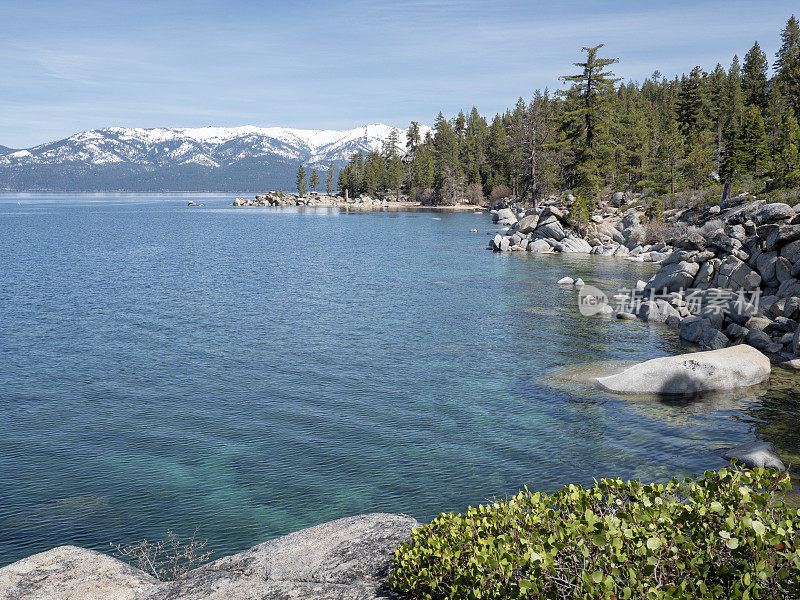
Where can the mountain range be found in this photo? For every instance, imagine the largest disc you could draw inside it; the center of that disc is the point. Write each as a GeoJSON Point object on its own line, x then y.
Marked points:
{"type": "Point", "coordinates": [235, 159]}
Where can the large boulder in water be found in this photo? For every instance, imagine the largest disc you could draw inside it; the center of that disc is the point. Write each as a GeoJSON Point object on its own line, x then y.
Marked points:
{"type": "Point", "coordinates": [72, 573]}
{"type": "Point", "coordinates": [758, 454]}
{"type": "Point", "coordinates": [689, 374]}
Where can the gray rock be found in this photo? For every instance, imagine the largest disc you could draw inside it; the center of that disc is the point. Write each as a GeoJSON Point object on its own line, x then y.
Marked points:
{"type": "Point", "coordinates": [565, 281]}
{"type": "Point", "coordinates": [791, 251]}
{"type": "Point", "coordinates": [740, 311]}
{"type": "Point", "coordinates": [656, 311]}
{"type": "Point", "coordinates": [72, 573]}
{"type": "Point", "coordinates": [737, 232]}
{"type": "Point", "coordinates": [626, 316]}
{"type": "Point", "coordinates": [783, 270]}
{"type": "Point", "coordinates": [795, 347]}
{"type": "Point", "coordinates": [783, 235]}
{"type": "Point", "coordinates": [688, 374]}
{"type": "Point", "coordinates": [735, 331]}
{"type": "Point", "coordinates": [700, 331]}
{"type": "Point", "coordinates": [791, 307]}
{"type": "Point", "coordinates": [769, 213]}
{"type": "Point", "coordinates": [504, 216]}
{"type": "Point", "coordinates": [765, 263]}
{"type": "Point", "coordinates": [735, 274]}
{"type": "Point", "coordinates": [674, 276]}
{"type": "Point", "coordinates": [790, 287]}
{"type": "Point", "coordinates": [756, 455]}
{"type": "Point", "coordinates": [539, 246]}
{"type": "Point", "coordinates": [572, 244]}
{"type": "Point", "coordinates": [611, 232]}
{"type": "Point", "coordinates": [550, 230]}
{"type": "Point", "coordinates": [340, 560]}
{"type": "Point", "coordinates": [704, 276]}
{"type": "Point", "coordinates": [694, 241]}
{"type": "Point", "coordinates": [617, 199]}
{"type": "Point", "coordinates": [677, 256]}
{"type": "Point", "coordinates": [758, 339]}
{"type": "Point", "coordinates": [529, 223]}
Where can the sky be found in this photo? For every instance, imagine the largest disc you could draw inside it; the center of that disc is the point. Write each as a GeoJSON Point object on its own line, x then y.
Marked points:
{"type": "Point", "coordinates": [71, 65]}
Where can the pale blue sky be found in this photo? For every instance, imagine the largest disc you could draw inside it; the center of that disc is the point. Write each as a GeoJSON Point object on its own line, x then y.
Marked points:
{"type": "Point", "coordinates": [72, 64]}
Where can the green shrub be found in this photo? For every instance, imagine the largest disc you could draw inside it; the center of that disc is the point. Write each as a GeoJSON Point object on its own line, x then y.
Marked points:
{"type": "Point", "coordinates": [726, 535]}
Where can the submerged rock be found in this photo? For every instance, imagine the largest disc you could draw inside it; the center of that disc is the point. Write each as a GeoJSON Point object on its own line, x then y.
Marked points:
{"type": "Point", "coordinates": [758, 454]}
{"type": "Point", "coordinates": [72, 573]}
{"type": "Point", "coordinates": [688, 374]}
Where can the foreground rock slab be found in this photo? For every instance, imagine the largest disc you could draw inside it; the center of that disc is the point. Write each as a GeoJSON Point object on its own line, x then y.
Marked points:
{"type": "Point", "coordinates": [758, 454]}
{"type": "Point", "coordinates": [688, 374]}
{"type": "Point", "coordinates": [72, 573]}
{"type": "Point", "coordinates": [347, 559]}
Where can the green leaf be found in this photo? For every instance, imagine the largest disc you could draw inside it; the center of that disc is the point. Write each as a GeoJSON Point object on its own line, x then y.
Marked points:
{"type": "Point", "coordinates": [653, 543]}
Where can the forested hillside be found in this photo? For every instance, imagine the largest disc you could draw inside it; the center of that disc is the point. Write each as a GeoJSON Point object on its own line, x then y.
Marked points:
{"type": "Point", "coordinates": [598, 134]}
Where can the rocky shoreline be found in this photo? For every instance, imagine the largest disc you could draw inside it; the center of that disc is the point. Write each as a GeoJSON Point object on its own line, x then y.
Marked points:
{"type": "Point", "coordinates": [346, 559]}
{"type": "Point", "coordinates": [730, 276]}
{"type": "Point", "coordinates": [363, 202]}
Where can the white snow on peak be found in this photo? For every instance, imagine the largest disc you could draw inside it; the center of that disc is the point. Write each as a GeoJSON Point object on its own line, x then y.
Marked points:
{"type": "Point", "coordinates": [208, 146]}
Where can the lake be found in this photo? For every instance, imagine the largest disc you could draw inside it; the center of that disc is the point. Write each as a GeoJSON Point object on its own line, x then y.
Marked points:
{"type": "Point", "coordinates": [247, 372]}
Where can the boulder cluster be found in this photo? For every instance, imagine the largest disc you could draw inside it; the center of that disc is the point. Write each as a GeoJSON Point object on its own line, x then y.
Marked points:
{"type": "Point", "coordinates": [735, 279]}
{"type": "Point", "coordinates": [312, 199]}
{"type": "Point", "coordinates": [547, 228]}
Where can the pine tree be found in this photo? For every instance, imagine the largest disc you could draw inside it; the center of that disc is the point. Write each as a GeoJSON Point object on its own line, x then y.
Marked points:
{"type": "Point", "coordinates": [790, 40]}
{"type": "Point", "coordinates": [301, 181]}
{"type": "Point", "coordinates": [754, 159]}
{"type": "Point", "coordinates": [787, 156]}
{"type": "Point", "coordinates": [788, 80]}
{"type": "Point", "coordinates": [313, 180]}
{"type": "Point", "coordinates": [589, 98]}
{"type": "Point", "coordinates": [423, 168]}
{"type": "Point", "coordinates": [329, 180]}
{"type": "Point", "coordinates": [754, 77]}
{"type": "Point", "coordinates": [412, 138]}
{"type": "Point", "coordinates": [692, 102]}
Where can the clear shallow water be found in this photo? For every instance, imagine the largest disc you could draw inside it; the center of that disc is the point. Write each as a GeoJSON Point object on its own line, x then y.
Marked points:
{"type": "Point", "coordinates": [249, 372]}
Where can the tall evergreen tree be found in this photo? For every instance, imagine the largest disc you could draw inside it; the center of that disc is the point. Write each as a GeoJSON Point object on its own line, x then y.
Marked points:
{"type": "Point", "coordinates": [589, 97]}
{"type": "Point", "coordinates": [313, 180]}
{"type": "Point", "coordinates": [790, 40]}
{"type": "Point", "coordinates": [301, 180]}
{"type": "Point", "coordinates": [412, 138]}
{"type": "Point", "coordinates": [692, 103]}
{"type": "Point", "coordinates": [754, 77]}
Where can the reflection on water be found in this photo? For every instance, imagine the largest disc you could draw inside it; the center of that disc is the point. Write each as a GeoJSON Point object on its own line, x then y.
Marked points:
{"type": "Point", "coordinates": [252, 372]}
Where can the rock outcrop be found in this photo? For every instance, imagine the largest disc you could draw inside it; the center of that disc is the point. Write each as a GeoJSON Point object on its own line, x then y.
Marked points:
{"type": "Point", "coordinates": [347, 559]}
{"type": "Point", "coordinates": [690, 374]}
{"type": "Point", "coordinates": [548, 229]}
{"type": "Point", "coordinates": [72, 573]}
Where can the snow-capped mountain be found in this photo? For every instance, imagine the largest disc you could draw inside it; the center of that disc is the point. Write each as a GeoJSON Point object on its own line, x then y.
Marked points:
{"type": "Point", "coordinates": [196, 159]}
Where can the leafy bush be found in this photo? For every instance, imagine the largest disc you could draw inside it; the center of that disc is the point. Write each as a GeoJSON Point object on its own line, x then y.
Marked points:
{"type": "Point", "coordinates": [725, 535]}
{"type": "Point", "coordinates": [655, 210]}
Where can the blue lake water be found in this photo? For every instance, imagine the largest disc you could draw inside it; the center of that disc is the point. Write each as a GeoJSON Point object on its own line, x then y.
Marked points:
{"type": "Point", "coordinates": [249, 372]}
